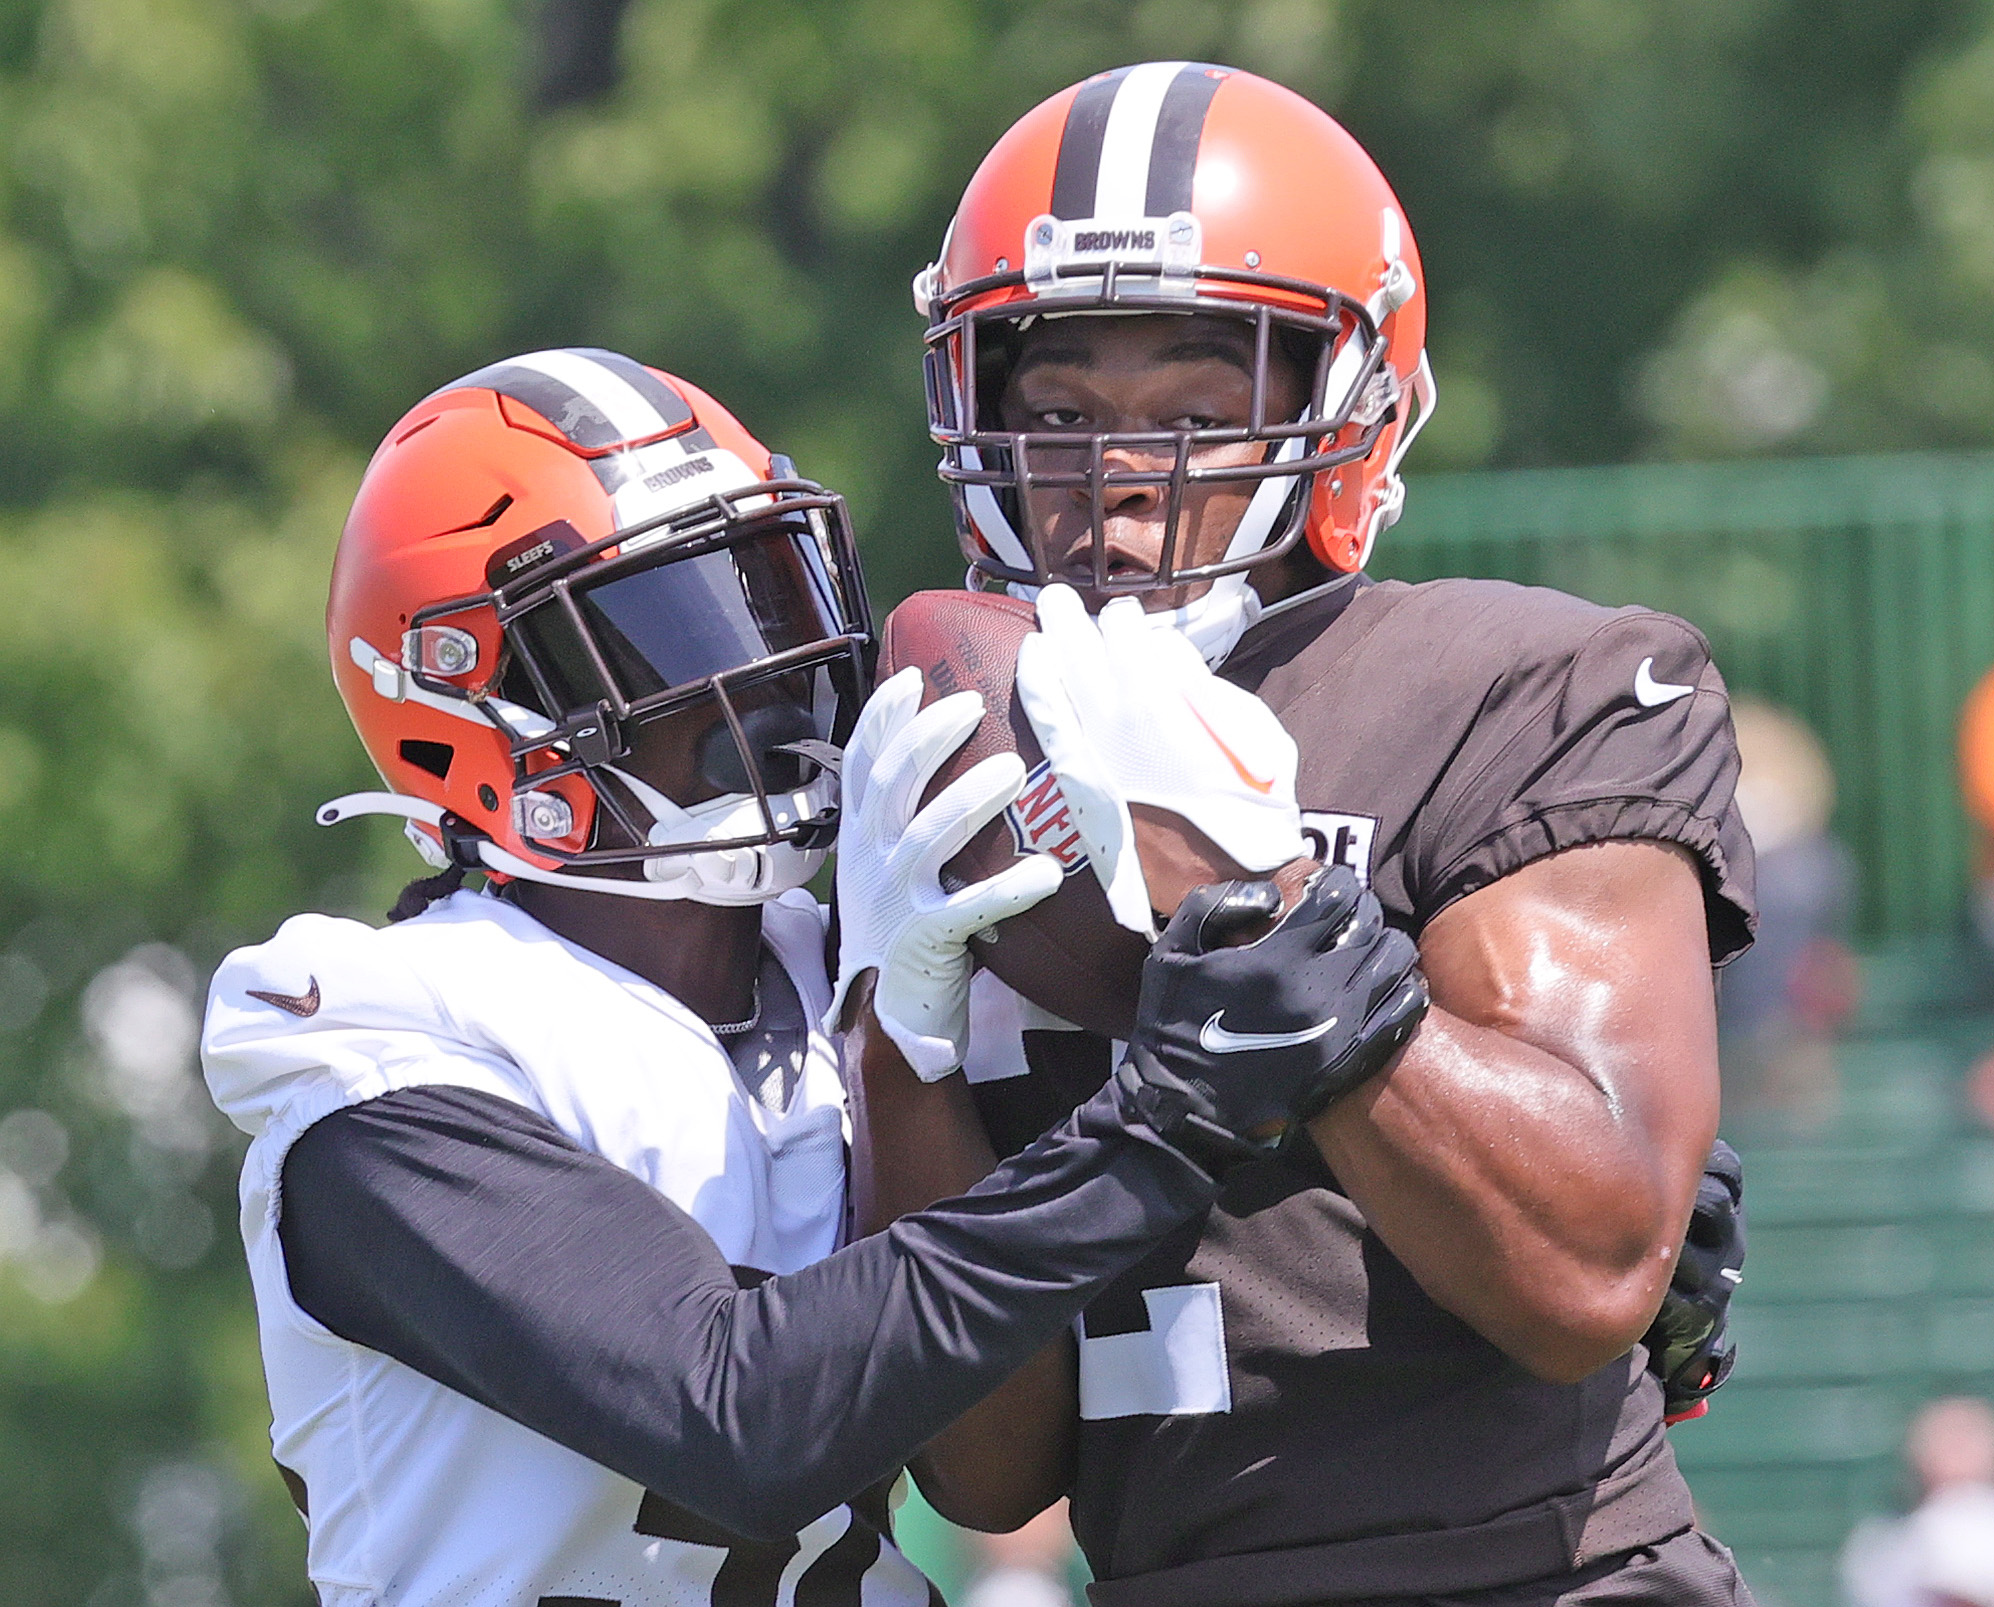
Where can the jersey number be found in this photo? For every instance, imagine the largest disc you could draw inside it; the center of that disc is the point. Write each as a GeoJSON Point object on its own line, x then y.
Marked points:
{"type": "Point", "coordinates": [1176, 1367]}
{"type": "Point", "coordinates": [751, 1573]}
{"type": "Point", "coordinates": [828, 1560]}
{"type": "Point", "coordinates": [1340, 840]}
{"type": "Point", "coordinates": [753, 1570]}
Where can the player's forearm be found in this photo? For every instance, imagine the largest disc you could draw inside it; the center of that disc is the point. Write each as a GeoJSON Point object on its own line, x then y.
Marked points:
{"type": "Point", "coordinates": [1514, 1190]}
{"type": "Point", "coordinates": [913, 1143]}
{"type": "Point", "coordinates": [469, 1239]}
{"type": "Point", "coordinates": [1009, 1457]}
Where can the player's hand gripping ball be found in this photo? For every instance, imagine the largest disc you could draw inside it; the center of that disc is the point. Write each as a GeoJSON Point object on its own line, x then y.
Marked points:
{"type": "Point", "coordinates": [1067, 954]}
{"type": "Point", "coordinates": [895, 915]}
{"type": "Point", "coordinates": [1129, 713]}
{"type": "Point", "coordinates": [1232, 1041]}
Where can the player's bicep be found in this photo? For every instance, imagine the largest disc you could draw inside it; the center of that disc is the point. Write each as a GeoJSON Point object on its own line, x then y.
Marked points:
{"type": "Point", "coordinates": [1598, 956]}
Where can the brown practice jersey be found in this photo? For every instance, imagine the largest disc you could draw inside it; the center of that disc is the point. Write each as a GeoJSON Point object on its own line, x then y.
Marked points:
{"type": "Point", "coordinates": [1273, 1412]}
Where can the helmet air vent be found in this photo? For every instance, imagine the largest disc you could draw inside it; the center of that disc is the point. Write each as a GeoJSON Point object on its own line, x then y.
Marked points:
{"type": "Point", "coordinates": [485, 520]}
{"type": "Point", "coordinates": [433, 758]}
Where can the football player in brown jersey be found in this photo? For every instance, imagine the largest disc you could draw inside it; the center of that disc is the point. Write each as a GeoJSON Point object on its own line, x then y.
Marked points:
{"type": "Point", "coordinates": [1176, 352]}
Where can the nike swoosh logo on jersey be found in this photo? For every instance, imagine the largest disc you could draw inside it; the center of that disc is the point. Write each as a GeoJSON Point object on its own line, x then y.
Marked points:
{"type": "Point", "coordinates": [1232, 758]}
{"type": "Point", "coordinates": [298, 1004]}
{"type": "Point", "coordinates": [1222, 1041]}
{"type": "Point", "coordinates": [1651, 693]}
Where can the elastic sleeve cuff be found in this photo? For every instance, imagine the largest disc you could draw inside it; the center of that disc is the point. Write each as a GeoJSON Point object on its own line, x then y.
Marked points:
{"type": "Point", "coordinates": [1727, 897]}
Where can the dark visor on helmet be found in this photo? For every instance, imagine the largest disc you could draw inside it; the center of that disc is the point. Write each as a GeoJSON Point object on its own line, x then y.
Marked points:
{"type": "Point", "coordinates": [732, 641]}
{"type": "Point", "coordinates": [639, 629]}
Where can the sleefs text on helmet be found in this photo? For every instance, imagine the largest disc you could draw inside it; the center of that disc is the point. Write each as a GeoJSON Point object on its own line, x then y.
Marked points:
{"type": "Point", "coordinates": [535, 547]}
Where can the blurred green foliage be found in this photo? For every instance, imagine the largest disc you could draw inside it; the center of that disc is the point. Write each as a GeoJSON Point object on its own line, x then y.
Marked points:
{"type": "Point", "coordinates": [237, 237]}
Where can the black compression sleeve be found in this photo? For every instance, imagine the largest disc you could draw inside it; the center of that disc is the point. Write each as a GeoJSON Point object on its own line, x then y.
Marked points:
{"type": "Point", "coordinates": [468, 1238]}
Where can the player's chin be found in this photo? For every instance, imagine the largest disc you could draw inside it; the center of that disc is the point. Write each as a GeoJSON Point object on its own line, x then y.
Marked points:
{"type": "Point", "coordinates": [1128, 563]}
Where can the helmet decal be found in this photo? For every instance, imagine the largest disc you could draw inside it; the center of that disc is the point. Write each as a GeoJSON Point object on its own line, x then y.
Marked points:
{"type": "Point", "coordinates": [1130, 145]}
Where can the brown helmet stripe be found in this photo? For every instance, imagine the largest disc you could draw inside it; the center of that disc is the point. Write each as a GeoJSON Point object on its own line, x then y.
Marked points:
{"type": "Point", "coordinates": [575, 400]}
{"type": "Point", "coordinates": [1180, 125]}
{"type": "Point", "coordinates": [1146, 122]}
{"type": "Point", "coordinates": [1079, 166]}
{"type": "Point", "coordinates": [671, 406]}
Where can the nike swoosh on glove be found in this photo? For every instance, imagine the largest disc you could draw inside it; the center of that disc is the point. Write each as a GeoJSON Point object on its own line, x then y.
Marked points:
{"type": "Point", "coordinates": [1128, 712]}
{"type": "Point", "coordinates": [1690, 1348]}
{"type": "Point", "coordinates": [893, 913]}
{"type": "Point", "coordinates": [1231, 1039]}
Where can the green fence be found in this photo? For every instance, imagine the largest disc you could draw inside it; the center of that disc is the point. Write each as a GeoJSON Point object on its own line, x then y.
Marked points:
{"type": "Point", "coordinates": [1857, 591]}
{"type": "Point", "coordinates": [1869, 1289]}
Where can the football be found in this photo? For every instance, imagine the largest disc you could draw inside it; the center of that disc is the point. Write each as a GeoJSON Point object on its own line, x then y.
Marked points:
{"type": "Point", "coordinates": [1065, 954]}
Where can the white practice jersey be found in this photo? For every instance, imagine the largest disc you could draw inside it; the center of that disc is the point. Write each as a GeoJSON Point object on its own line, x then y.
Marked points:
{"type": "Point", "coordinates": [419, 1496]}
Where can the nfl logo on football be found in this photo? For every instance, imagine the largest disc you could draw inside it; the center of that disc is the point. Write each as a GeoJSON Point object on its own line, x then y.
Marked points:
{"type": "Point", "coordinates": [1041, 824]}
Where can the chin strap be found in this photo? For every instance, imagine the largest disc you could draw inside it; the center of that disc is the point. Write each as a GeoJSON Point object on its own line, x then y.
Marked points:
{"type": "Point", "coordinates": [1391, 495]}
{"type": "Point", "coordinates": [1213, 622]}
{"type": "Point", "coordinates": [729, 875]}
{"type": "Point", "coordinates": [475, 851]}
{"type": "Point", "coordinates": [391, 680]}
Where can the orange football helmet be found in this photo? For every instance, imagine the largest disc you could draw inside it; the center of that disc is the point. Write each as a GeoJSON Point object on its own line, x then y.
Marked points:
{"type": "Point", "coordinates": [1181, 187]}
{"type": "Point", "coordinates": [591, 633]}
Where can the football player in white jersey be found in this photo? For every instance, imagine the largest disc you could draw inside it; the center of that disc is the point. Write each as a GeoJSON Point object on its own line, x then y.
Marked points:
{"type": "Point", "coordinates": [546, 1190]}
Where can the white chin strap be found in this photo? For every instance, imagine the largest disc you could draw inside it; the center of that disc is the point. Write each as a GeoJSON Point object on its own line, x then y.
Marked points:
{"type": "Point", "coordinates": [729, 876]}
{"type": "Point", "coordinates": [1391, 494]}
{"type": "Point", "coordinates": [1216, 621]}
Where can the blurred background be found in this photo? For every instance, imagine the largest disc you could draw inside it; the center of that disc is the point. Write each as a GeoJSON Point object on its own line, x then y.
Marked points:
{"type": "Point", "coordinates": [1713, 315]}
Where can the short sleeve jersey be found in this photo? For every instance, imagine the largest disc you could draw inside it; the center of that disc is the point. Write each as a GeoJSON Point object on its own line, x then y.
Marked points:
{"type": "Point", "coordinates": [1453, 732]}
{"type": "Point", "coordinates": [1272, 1408]}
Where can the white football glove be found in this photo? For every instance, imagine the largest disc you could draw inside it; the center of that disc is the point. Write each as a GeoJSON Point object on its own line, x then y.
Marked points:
{"type": "Point", "coordinates": [893, 913]}
{"type": "Point", "coordinates": [1129, 713]}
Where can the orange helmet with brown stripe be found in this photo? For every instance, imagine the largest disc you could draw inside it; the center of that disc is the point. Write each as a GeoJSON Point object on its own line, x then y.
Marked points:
{"type": "Point", "coordinates": [1182, 187]}
{"type": "Point", "coordinates": [591, 632]}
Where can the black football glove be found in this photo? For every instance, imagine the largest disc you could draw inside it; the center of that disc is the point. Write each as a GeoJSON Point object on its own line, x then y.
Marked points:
{"type": "Point", "coordinates": [1231, 1040]}
{"type": "Point", "coordinates": [1690, 1348]}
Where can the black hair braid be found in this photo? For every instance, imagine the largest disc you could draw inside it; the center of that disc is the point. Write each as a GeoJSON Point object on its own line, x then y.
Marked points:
{"type": "Point", "coordinates": [425, 891]}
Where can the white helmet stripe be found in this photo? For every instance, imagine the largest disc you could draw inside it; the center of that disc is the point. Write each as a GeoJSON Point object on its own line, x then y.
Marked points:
{"type": "Point", "coordinates": [1121, 187]}
{"type": "Point", "coordinates": [608, 392]}
{"type": "Point", "coordinates": [587, 394]}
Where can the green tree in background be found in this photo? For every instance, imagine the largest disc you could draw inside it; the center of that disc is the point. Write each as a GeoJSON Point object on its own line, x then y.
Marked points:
{"type": "Point", "coordinates": [237, 239]}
